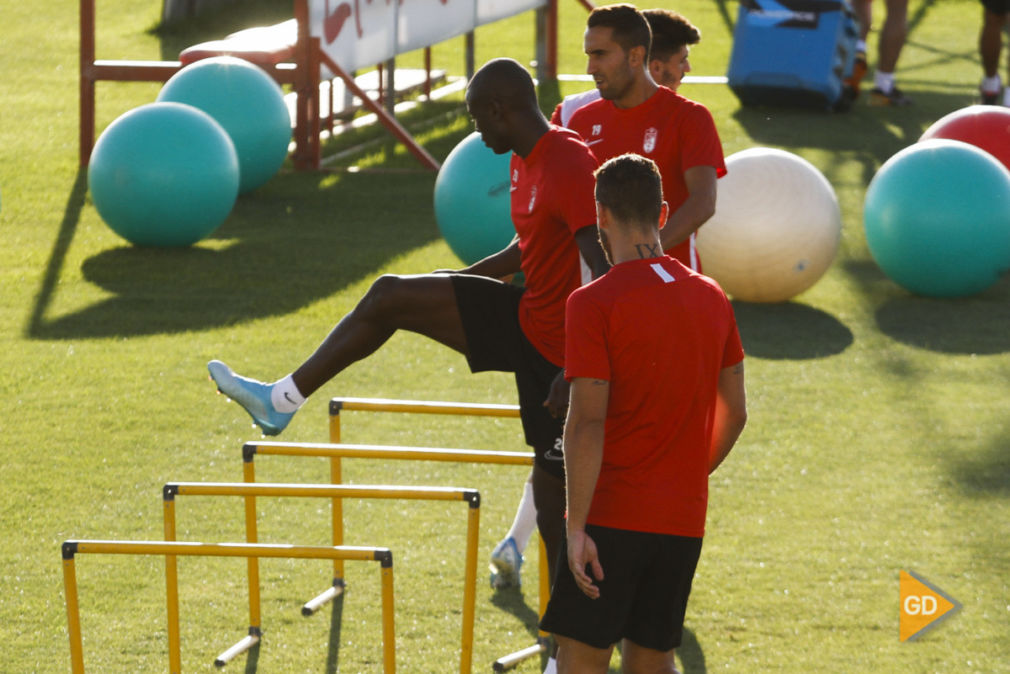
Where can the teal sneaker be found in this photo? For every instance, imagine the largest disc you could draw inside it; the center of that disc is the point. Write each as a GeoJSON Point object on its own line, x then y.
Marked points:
{"type": "Point", "coordinates": [252, 395]}
{"type": "Point", "coordinates": [505, 564]}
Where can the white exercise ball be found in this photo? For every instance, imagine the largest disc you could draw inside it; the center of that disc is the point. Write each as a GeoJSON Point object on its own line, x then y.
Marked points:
{"type": "Point", "coordinates": [776, 226]}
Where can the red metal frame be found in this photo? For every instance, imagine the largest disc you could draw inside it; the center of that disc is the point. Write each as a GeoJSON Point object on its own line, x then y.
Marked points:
{"type": "Point", "coordinates": [303, 75]}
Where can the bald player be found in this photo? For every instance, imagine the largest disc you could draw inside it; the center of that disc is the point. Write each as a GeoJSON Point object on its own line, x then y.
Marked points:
{"type": "Point", "coordinates": [496, 326]}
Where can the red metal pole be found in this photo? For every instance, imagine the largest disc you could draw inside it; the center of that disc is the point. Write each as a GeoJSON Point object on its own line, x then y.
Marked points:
{"type": "Point", "coordinates": [551, 70]}
{"type": "Point", "coordinates": [387, 120]}
{"type": "Point", "coordinates": [301, 84]}
{"type": "Point", "coordinates": [86, 134]}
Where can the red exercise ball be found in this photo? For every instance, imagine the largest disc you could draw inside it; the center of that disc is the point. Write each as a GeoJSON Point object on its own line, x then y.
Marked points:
{"type": "Point", "coordinates": [984, 126]}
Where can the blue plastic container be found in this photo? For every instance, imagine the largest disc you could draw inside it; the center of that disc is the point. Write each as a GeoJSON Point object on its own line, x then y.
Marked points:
{"type": "Point", "coordinates": [793, 53]}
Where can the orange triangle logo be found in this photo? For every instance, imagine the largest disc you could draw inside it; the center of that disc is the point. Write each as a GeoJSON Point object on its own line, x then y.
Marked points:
{"type": "Point", "coordinates": [923, 606]}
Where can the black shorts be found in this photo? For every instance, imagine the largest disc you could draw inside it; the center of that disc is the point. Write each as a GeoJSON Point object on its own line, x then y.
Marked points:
{"type": "Point", "coordinates": [999, 7]}
{"type": "Point", "coordinates": [489, 310]}
{"type": "Point", "coordinates": [643, 594]}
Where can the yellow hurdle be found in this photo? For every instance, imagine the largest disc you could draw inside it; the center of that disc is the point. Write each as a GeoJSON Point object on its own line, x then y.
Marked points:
{"type": "Point", "coordinates": [400, 406]}
{"type": "Point", "coordinates": [335, 452]}
{"type": "Point", "coordinates": [337, 405]}
{"type": "Point", "coordinates": [172, 549]}
{"type": "Point", "coordinates": [250, 491]}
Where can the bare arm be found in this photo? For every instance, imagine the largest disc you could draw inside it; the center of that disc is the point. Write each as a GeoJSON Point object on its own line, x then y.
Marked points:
{"type": "Point", "coordinates": [499, 265]}
{"type": "Point", "coordinates": [696, 210]}
{"type": "Point", "coordinates": [730, 414]}
{"type": "Point", "coordinates": [588, 241]}
{"type": "Point", "coordinates": [583, 448]}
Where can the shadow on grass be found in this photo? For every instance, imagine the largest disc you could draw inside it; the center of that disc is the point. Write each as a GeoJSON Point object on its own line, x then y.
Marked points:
{"type": "Point", "coordinates": [68, 226]}
{"type": "Point", "coordinates": [969, 325]}
{"type": "Point", "coordinates": [691, 655]}
{"type": "Point", "coordinates": [512, 601]}
{"type": "Point", "coordinates": [298, 239]}
{"type": "Point", "coordinates": [789, 331]}
{"type": "Point", "coordinates": [985, 471]}
{"type": "Point", "coordinates": [979, 324]}
{"type": "Point", "coordinates": [337, 615]}
{"type": "Point", "coordinates": [252, 659]}
{"type": "Point", "coordinates": [872, 133]}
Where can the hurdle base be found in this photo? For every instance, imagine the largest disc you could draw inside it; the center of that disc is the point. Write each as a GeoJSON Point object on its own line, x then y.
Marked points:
{"type": "Point", "coordinates": [324, 597]}
{"type": "Point", "coordinates": [511, 660]}
{"type": "Point", "coordinates": [241, 647]}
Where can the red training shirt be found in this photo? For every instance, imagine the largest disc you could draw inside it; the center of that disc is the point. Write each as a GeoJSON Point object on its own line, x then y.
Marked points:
{"type": "Point", "coordinates": [660, 334]}
{"type": "Point", "coordinates": [675, 132]}
{"type": "Point", "coordinates": [552, 198]}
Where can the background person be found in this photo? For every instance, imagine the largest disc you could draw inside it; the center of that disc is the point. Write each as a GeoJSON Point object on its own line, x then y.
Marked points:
{"type": "Point", "coordinates": [889, 44]}
{"type": "Point", "coordinates": [990, 42]}
{"type": "Point", "coordinates": [646, 51]}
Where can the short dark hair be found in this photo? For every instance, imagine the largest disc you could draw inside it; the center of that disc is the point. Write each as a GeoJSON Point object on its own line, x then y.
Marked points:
{"type": "Point", "coordinates": [631, 188]}
{"type": "Point", "coordinates": [671, 31]}
{"type": "Point", "coordinates": [630, 29]}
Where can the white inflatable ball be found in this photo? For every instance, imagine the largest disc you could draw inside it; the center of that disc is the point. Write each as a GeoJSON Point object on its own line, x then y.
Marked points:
{"type": "Point", "coordinates": [776, 227]}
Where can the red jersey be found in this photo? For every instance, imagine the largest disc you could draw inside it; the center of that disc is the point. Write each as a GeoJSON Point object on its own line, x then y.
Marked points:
{"type": "Point", "coordinates": [675, 132]}
{"type": "Point", "coordinates": [660, 334]}
{"type": "Point", "coordinates": [552, 198]}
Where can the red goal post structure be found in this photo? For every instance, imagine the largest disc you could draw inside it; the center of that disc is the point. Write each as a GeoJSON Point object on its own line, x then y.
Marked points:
{"type": "Point", "coordinates": [333, 38]}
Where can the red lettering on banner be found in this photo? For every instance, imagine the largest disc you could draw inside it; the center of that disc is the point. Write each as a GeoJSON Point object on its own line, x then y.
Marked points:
{"type": "Point", "coordinates": [334, 21]}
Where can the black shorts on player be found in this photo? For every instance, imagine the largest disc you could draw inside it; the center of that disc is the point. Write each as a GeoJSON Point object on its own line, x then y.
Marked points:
{"type": "Point", "coordinates": [643, 596]}
{"type": "Point", "coordinates": [489, 311]}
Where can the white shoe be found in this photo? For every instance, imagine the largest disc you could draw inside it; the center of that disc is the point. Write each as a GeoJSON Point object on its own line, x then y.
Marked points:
{"type": "Point", "coordinates": [505, 564]}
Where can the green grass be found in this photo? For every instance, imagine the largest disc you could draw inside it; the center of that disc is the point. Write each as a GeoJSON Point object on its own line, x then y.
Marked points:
{"type": "Point", "coordinates": [877, 442]}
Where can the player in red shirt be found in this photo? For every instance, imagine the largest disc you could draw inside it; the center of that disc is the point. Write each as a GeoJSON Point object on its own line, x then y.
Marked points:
{"type": "Point", "coordinates": [638, 115]}
{"type": "Point", "coordinates": [657, 402]}
{"type": "Point", "coordinates": [669, 59]}
{"type": "Point", "coordinates": [686, 146]}
{"type": "Point", "coordinates": [495, 325]}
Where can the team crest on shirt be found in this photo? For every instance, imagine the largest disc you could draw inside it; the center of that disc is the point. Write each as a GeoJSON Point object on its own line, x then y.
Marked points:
{"type": "Point", "coordinates": [597, 129]}
{"type": "Point", "coordinates": [649, 142]}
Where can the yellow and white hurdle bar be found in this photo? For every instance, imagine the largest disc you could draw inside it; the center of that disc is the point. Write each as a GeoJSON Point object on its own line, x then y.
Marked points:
{"type": "Point", "coordinates": [249, 491]}
{"type": "Point", "coordinates": [172, 549]}
{"type": "Point", "coordinates": [437, 407]}
{"type": "Point", "coordinates": [336, 452]}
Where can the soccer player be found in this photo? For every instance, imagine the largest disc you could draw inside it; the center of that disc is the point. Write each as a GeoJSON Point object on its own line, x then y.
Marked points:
{"type": "Point", "coordinates": [657, 402]}
{"type": "Point", "coordinates": [995, 15]}
{"type": "Point", "coordinates": [495, 325]}
{"type": "Point", "coordinates": [637, 115]}
{"type": "Point", "coordinates": [669, 59]}
{"type": "Point", "coordinates": [892, 38]}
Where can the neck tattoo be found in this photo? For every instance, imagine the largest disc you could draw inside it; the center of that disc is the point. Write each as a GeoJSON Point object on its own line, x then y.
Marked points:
{"type": "Point", "coordinates": [647, 250]}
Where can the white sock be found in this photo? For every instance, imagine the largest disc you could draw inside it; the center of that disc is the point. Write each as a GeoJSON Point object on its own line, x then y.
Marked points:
{"type": "Point", "coordinates": [990, 84]}
{"type": "Point", "coordinates": [525, 522]}
{"type": "Point", "coordinates": [285, 396]}
{"type": "Point", "coordinates": [884, 81]}
{"type": "Point", "coordinates": [552, 666]}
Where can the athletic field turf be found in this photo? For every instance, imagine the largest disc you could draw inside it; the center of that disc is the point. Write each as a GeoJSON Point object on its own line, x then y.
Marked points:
{"type": "Point", "coordinates": [878, 438]}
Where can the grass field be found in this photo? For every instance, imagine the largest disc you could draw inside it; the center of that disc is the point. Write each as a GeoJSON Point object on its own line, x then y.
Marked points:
{"type": "Point", "coordinates": [878, 438]}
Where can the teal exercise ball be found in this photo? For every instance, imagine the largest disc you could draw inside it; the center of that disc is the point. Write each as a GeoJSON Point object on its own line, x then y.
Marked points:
{"type": "Point", "coordinates": [937, 218]}
{"type": "Point", "coordinates": [472, 200]}
{"type": "Point", "coordinates": [247, 103]}
{"type": "Point", "coordinates": [163, 174]}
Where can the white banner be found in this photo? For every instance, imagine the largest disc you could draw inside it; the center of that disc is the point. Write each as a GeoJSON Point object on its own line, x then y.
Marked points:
{"type": "Point", "coordinates": [361, 33]}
